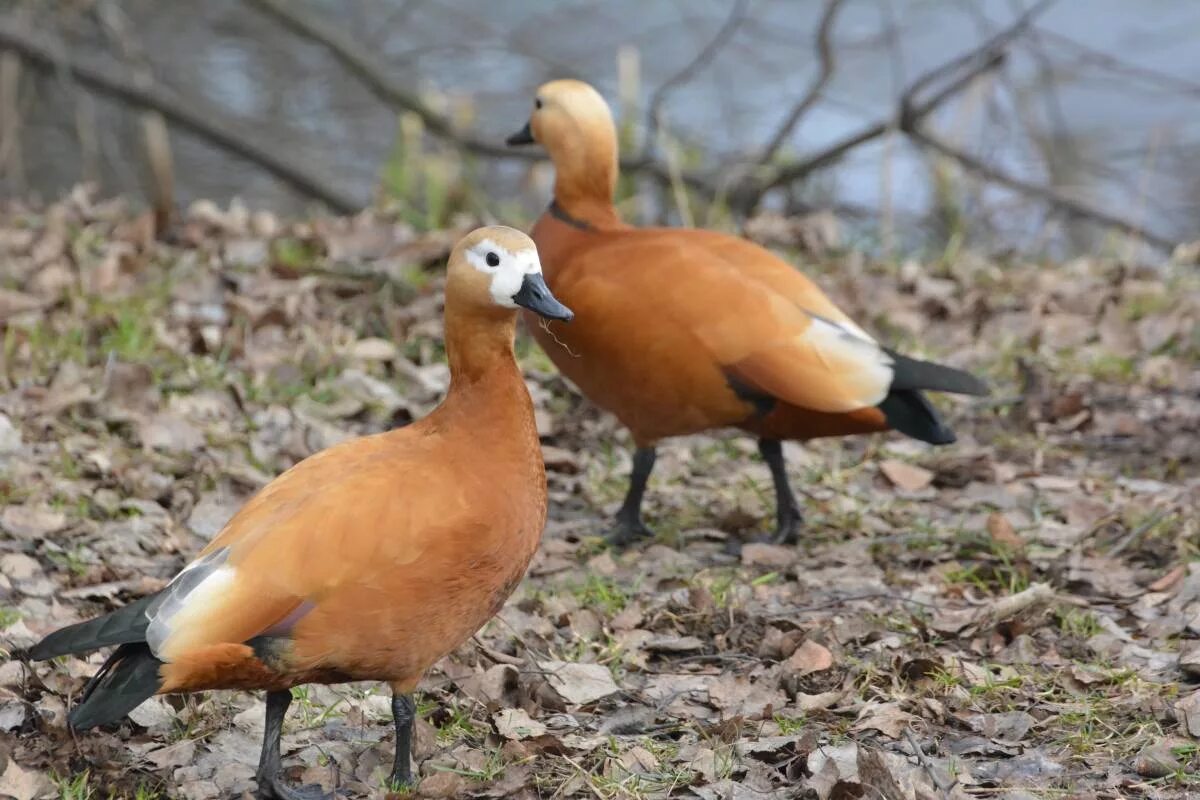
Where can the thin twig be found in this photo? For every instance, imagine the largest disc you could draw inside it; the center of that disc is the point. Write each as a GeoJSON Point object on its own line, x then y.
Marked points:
{"type": "Point", "coordinates": [927, 765]}
{"type": "Point", "coordinates": [47, 53]}
{"type": "Point", "coordinates": [11, 159]}
{"type": "Point", "coordinates": [1137, 533]}
{"type": "Point", "coordinates": [737, 15]}
{"type": "Point", "coordinates": [350, 53]}
{"type": "Point", "coordinates": [827, 64]}
{"type": "Point", "coordinates": [1046, 194]}
{"type": "Point", "coordinates": [909, 111]}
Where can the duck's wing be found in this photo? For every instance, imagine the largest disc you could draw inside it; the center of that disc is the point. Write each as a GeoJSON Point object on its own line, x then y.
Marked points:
{"type": "Point", "coordinates": [338, 517]}
{"type": "Point", "coordinates": [797, 347]}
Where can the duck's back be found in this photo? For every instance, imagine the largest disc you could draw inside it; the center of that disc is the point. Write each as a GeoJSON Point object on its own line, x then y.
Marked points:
{"type": "Point", "coordinates": [674, 324]}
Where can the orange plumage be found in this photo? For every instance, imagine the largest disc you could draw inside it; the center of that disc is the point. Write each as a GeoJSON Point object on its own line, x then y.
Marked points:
{"type": "Point", "coordinates": [684, 330]}
{"type": "Point", "coordinates": [367, 561]}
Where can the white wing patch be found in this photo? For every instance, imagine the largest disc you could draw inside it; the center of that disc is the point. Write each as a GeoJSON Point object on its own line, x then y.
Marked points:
{"type": "Point", "coordinates": [509, 273]}
{"type": "Point", "coordinates": [850, 353]}
{"type": "Point", "coordinates": [188, 597]}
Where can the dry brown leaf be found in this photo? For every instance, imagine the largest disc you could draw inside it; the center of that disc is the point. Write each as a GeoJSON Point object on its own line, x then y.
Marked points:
{"type": "Point", "coordinates": [903, 475]}
{"type": "Point", "coordinates": [774, 556]}
{"type": "Point", "coordinates": [447, 785]}
{"type": "Point", "coordinates": [22, 784]}
{"type": "Point", "coordinates": [887, 718]}
{"type": "Point", "coordinates": [1169, 581]}
{"type": "Point", "coordinates": [579, 684]}
{"type": "Point", "coordinates": [515, 723]}
{"type": "Point", "coordinates": [1187, 711]}
{"type": "Point", "coordinates": [13, 303]}
{"type": "Point", "coordinates": [32, 522]}
{"type": "Point", "coordinates": [809, 657]}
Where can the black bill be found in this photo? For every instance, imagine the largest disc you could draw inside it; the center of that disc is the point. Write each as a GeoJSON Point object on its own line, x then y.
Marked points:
{"type": "Point", "coordinates": [523, 136]}
{"type": "Point", "coordinates": [535, 295]}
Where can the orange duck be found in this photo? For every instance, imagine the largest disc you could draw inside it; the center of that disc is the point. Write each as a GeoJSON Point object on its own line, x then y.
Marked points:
{"type": "Point", "coordinates": [683, 330]}
{"type": "Point", "coordinates": [367, 561]}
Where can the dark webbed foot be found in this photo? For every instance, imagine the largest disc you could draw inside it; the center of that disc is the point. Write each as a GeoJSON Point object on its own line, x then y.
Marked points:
{"type": "Point", "coordinates": [275, 788]}
{"type": "Point", "coordinates": [271, 785]}
{"type": "Point", "coordinates": [627, 531]}
{"type": "Point", "coordinates": [787, 531]}
{"type": "Point", "coordinates": [629, 526]}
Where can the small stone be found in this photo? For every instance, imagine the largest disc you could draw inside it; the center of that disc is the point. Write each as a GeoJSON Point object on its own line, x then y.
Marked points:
{"type": "Point", "coordinates": [443, 785]}
{"type": "Point", "coordinates": [1156, 761]}
{"type": "Point", "coordinates": [1189, 659]}
{"type": "Point", "coordinates": [10, 436]}
{"type": "Point", "coordinates": [32, 522]}
{"type": "Point", "coordinates": [374, 349]}
{"type": "Point", "coordinates": [774, 556]}
{"type": "Point", "coordinates": [14, 715]}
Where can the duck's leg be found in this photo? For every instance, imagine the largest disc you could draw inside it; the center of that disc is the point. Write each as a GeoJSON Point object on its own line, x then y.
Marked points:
{"type": "Point", "coordinates": [788, 518]}
{"type": "Point", "coordinates": [629, 525]}
{"type": "Point", "coordinates": [404, 711]}
{"type": "Point", "coordinates": [270, 782]}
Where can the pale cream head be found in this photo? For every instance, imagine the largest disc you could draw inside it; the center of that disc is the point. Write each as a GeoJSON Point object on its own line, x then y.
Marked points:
{"type": "Point", "coordinates": [573, 122]}
{"type": "Point", "coordinates": [498, 268]}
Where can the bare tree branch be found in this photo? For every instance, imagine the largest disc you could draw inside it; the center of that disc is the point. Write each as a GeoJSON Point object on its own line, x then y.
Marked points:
{"type": "Point", "coordinates": [352, 55]}
{"type": "Point", "coordinates": [374, 75]}
{"type": "Point", "coordinates": [48, 53]}
{"type": "Point", "coordinates": [838, 149]}
{"type": "Point", "coordinates": [824, 47]}
{"type": "Point", "coordinates": [737, 15]}
{"type": "Point", "coordinates": [909, 112]}
{"type": "Point", "coordinates": [1046, 194]}
{"type": "Point", "coordinates": [1155, 78]}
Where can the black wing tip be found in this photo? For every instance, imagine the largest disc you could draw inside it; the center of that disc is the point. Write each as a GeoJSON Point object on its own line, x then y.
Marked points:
{"type": "Point", "coordinates": [910, 412]}
{"type": "Point", "coordinates": [127, 679]}
{"type": "Point", "coordinates": [44, 650]}
{"type": "Point", "coordinates": [942, 435]}
{"type": "Point", "coordinates": [978, 386]}
{"type": "Point", "coordinates": [61, 642]}
{"type": "Point", "coordinates": [915, 374]}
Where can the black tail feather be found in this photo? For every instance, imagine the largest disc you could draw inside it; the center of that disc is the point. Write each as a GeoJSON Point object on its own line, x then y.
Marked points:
{"type": "Point", "coordinates": [911, 413]}
{"type": "Point", "coordinates": [123, 626]}
{"type": "Point", "coordinates": [910, 373]}
{"type": "Point", "coordinates": [128, 677]}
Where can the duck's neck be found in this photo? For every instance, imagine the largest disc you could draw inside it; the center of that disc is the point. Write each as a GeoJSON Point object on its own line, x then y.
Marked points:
{"type": "Point", "coordinates": [585, 177]}
{"type": "Point", "coordinates": [483, 369]}
{"type": "Point", "coordinates": [478, 343]}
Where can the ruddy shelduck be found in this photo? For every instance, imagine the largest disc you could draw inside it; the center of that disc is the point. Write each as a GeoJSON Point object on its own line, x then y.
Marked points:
{"type": "Point", "coordinates": [367, 561]}
{"type": "Point", "coordinates": [684, 330]}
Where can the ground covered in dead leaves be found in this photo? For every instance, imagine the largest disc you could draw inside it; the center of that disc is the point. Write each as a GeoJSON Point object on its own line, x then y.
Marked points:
{"type": "Point", "coordinates": [1014, 616]}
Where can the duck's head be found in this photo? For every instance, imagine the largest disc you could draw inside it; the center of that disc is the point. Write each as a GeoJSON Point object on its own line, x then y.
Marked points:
{"type": "Point", "coordinates": [574, 124]}
{"type": "Point", "coordinates": [497, 268]}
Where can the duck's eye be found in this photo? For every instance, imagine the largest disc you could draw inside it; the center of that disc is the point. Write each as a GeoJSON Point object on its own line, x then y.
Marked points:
{"type": "Point", "coordinates": [537, 103]}
{"type": "Point", "coordinates": [492, 259]}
